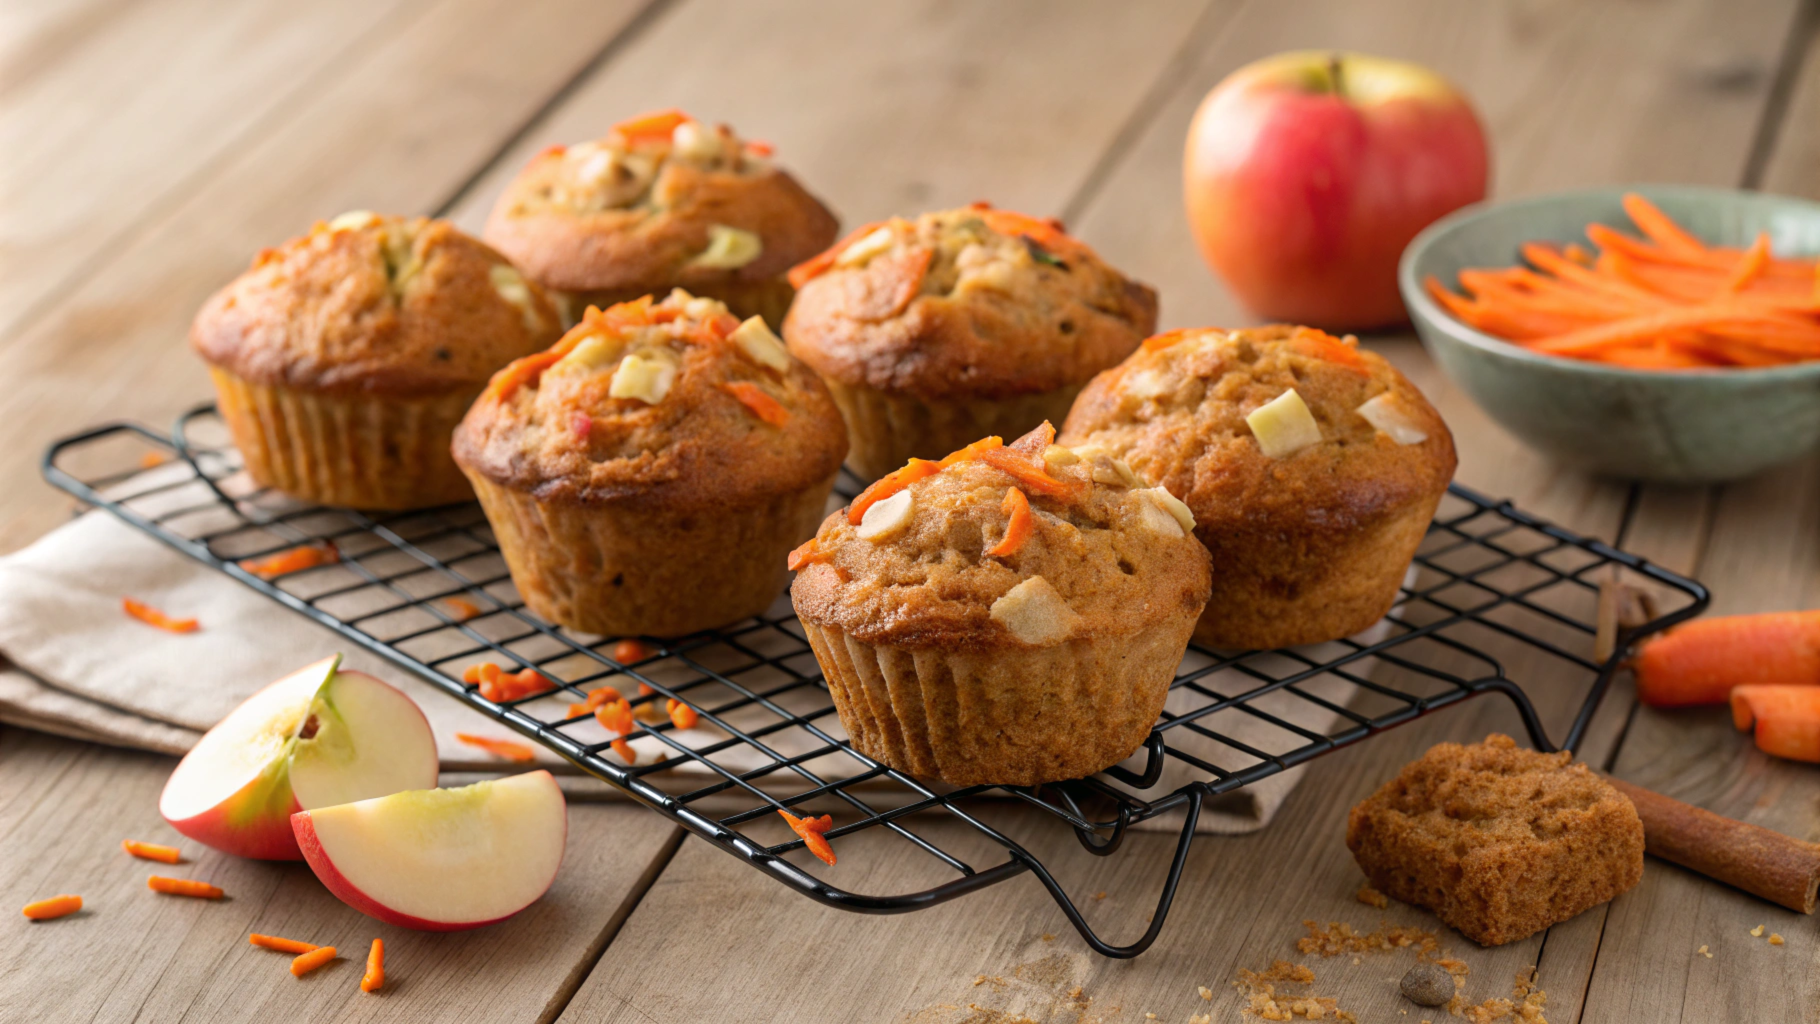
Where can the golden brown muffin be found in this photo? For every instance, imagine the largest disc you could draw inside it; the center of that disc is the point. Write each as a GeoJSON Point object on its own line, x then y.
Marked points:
{"type": "Point", "coordinates": [662, 201]}
{"type": "Point", "coordinates": [343, 359]}
{"type": "Point", "coordinates": [958, 325]}
{"type": "Point", "coordinates": [649, 473]}
{"type": "Point", "coordinates": [1001, 616]}
{"type": "Point", "coordinates": [1499, 842]}
{"type": "Point", "coordinates": [1312, 503]}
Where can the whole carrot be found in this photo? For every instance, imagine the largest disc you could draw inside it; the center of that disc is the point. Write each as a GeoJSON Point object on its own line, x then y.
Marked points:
{"type": "Point", "coordinates": [313, 959]}
{"type": "Point", "coordinates": [273, 942]}
{"type": "Point", "coordinates": [55, 907]}
{"type": "Point", "coordinates": [184, 887]}
{"type": "Point", "coordinates": [152, 851]}
{"type": "Point", "coordinates": [374, 978]}
{"type": "Point", "coordinates": [1700, 662]}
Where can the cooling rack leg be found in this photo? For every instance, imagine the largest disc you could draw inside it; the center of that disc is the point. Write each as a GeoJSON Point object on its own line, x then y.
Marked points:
{"type": "Point", "coordinates": [1099, 945]}
{"type": "Point", "coordinates": [1538, 735]}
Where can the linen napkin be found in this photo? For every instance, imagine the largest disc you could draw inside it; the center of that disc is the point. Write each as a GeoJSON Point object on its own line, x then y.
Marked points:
{"type": "Point", "coordinates": [73, 663]}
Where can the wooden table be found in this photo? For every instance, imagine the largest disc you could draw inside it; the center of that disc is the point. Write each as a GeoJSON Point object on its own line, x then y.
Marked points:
{"type": "Point", "coordinates": [152, 145]}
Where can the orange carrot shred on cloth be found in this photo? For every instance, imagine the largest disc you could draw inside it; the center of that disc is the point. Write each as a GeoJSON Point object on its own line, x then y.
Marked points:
{"type": "Point", "coordinates": [810, 831]}
{"type": "Point", "coordinates": [184, 887]}
{"type": "Point", "coordinates": [1018, 526]}
{"type": "Point", "coordinates": [758, 401]}
{"type": "Point", "coordinates": [507, 749]}
{"type": "Point", "coordinates": [297, 559]}
{"type": "Point", "coordinates": [1700, 662]}
{"type": "Point", "coordinates": [374, 979]}
{"type": "Point", "coordinates": [152, 851]}
{"type": "Point", "coordinates": [53, 908]}
{"type": "Point", "coordinates": [315, 958]}
{"type": "Point", "coordinates": [682, 715]}
{"type": "Point", "coordinates": [629, 651]}
{"type": "Point", "coordinates": [1784, 720]}
{"type": "Point", "coordinates": [624, 750]}
{"type": "Point", "coordinates": [273, 942]}
{"type": "Point", "coordinates": [153, 617]}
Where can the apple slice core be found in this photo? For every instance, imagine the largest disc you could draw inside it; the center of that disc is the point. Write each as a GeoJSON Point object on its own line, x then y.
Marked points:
{"type": "Point", "coordinates": [441, 859]}
{"type": "Point", "coordinates": [364, 739]}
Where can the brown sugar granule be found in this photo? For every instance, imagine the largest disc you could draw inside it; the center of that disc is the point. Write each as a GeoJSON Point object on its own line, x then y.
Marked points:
{"type": "Point", "coordinates": [1775, 939]}
{"type": "Point", "coordinates": [1339, 937]}
{"type": "Point", "coordinates": [1264, 1000]}
{"type": "Point", "coordinates": [1500, 842]}
{"type": "Point", "coordinates": [1372, 898]}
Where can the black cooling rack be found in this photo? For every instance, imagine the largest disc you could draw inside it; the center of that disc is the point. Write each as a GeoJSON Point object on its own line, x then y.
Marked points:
{"type": "Point", "coordinates": [428, 591]}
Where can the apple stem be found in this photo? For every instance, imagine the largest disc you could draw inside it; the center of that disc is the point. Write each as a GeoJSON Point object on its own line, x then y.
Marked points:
{"type": "Point", "coordinates": [1333, 74]}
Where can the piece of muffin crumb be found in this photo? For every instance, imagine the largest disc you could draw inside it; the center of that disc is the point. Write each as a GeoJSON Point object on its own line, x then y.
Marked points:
{"type": "Point", "coordinates": [1757, 932]}
{"type": "Point", "coordinates": [1704, 952]}
{"type": "Point", "coordinates": [1371, 897]}
{"type": "Point", "coordinates": [1775, 939]}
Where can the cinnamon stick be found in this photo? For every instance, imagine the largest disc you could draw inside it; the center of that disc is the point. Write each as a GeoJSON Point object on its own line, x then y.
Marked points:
{"type": "Point", "coordinates": [1779, 868]}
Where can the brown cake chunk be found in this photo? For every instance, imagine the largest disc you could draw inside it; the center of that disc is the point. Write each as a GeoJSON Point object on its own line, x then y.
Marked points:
{"type": "Point", "coordinates": [1498, 841]}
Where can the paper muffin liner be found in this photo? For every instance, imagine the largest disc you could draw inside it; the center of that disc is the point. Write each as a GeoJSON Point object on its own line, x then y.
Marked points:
{"type": "Point", "coordinates": [354, 451]}
{"type": "Point", "coordinates": [885, 429]}
{"type": "Point", "coordinates": [1256, 605]}
{"type": "Point", "coordinates": [769, 299]}
{"type": "Point", "coordinates": [1004, 715]}
{"type": "Point", "coordinates": [628, 571]}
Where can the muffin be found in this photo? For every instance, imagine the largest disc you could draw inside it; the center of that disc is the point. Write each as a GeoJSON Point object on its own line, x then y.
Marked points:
{"type": "Point", "coordinates": [1313, 469]}
{"type": "Point", "coordinates": [649, 473]}
{"type": "Point", "coordinates": [663, 201]}
{"type": "Point", "coordinates": [343, 359]}
{"type": "Point", "coordinates": [958, 325]}
{"type": "Point", "coordinates": [1500, 842]}
{"type": "Point", "coordinates": [1002, 616]}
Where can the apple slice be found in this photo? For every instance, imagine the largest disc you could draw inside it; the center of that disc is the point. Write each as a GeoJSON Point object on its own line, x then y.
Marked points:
{"type": "Point", "coordinates": [441, 860]}
{"type": "Point", "coordinates": [315, 738]}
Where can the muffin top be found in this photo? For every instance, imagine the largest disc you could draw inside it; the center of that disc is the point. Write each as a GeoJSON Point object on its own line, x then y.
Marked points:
{"type": "Point", "coordinates": [1279, 424]}
{"type": "Point", "coordinates": [663, 199]}
{"type": "Point", "coordinates": [404, 307]}
{"type": "Point", "coordinates": [1023, 545]}
{"type": "Point", "coordinates": [666, 404]}
{"type": "Point", "coordinates": [974, 302]}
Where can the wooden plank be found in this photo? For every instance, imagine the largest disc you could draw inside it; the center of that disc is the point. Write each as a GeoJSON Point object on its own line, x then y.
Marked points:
{"type": "Point", "coordinates": [111, 110]}
{"type": "Point", "coordinates": [1602, 74]}
{"type": "Point", "coordinates": [1756, 543]}
{"type": "Point", "coordinates": [132, 954]}
{"type": "Point", "coordinates": [401, 128]}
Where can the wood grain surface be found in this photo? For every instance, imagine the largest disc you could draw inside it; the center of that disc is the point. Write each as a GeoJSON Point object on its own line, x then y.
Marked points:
{"type": "Point", "coordinates": [139, 179]}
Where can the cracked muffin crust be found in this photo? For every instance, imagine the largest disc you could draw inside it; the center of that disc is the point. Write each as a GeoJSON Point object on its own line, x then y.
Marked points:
{"type": "Point", "coordinates": [1313, 469]}
{"type": "Point", "coordinates": [1011, 614]}
{"type": "Point", "coordinates": [662, 201]}
{"type": "Point", "coordinates": [1500, 842]}
{"type": "Point", "coordinates": [649, 472]}
{"type": "Point", "coordinates": [959, 324]}
{"type": "Point", "coordinates": [343, 359]}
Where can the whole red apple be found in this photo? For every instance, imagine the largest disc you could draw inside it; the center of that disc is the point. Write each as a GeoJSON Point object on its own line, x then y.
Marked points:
{"type": "Point", "coordinates": [1307, 173]}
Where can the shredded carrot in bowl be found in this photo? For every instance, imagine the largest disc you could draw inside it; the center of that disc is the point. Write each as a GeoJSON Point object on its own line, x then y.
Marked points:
{"type": "Point", "coordinates": [1664, 301]}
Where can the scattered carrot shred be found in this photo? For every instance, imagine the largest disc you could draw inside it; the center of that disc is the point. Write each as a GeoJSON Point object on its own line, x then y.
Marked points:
{"type": "Point", "coordinates": [507, 749]}
{"type": "Point", "coordinates": [810, 831]}
{"type": "Point", "coordinates": [624, 750]}
{"type": "Point", "coordinates": [152, 851]}
{"type": "Point", "coordinates": [315, 958]}
{"type": "Point", "coordinates": [682, 715]}
{"type": "Point", "coordinates": [297, 559]}
{"type": "Point", "coordinates": [462, 608]}
{"type": "Point", "coordinates": [1665, 301]}
{"type": "Point", "coordinates": [758, 401]}
{"type": "Point", "coordinates": [153, 617]}
{"type": "Point", "coordinates": [628, 651]}
{"type": "Point", "coordinates": [184, 887]}
{"type": "Point", "coordinates": [280, 945]}
{"type": "Point", "coordinates": [1018, 526]}
{"type": "Point", "coordinates": [152, 460]}
{"type": "Point", "coordinates": [496, 684]}
{"type": "Point", "coordinates": [616, 716]}
{"type": "Point", "coordinates": [53, 908]}
{"type": "Point", "coordinates": [374, 979]}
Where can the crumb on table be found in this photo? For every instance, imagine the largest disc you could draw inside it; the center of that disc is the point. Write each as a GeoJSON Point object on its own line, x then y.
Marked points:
{"type": "Point", "coordinates": [1371, 897]}
{"type": "Point", "coordinates": [1703, 951]}
{"type": "Point", "coordinates": [1775, 939]}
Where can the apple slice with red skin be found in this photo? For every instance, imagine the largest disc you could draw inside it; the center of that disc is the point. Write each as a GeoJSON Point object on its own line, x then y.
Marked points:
{"type": "Point", "coordinates": [441, 860]}
{"type": "Point", "coordinates": [316, 738]}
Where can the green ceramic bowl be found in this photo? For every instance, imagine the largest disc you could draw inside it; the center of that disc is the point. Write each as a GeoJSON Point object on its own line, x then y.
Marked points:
{"type": "Point", "coordinates": [1696, 426]}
